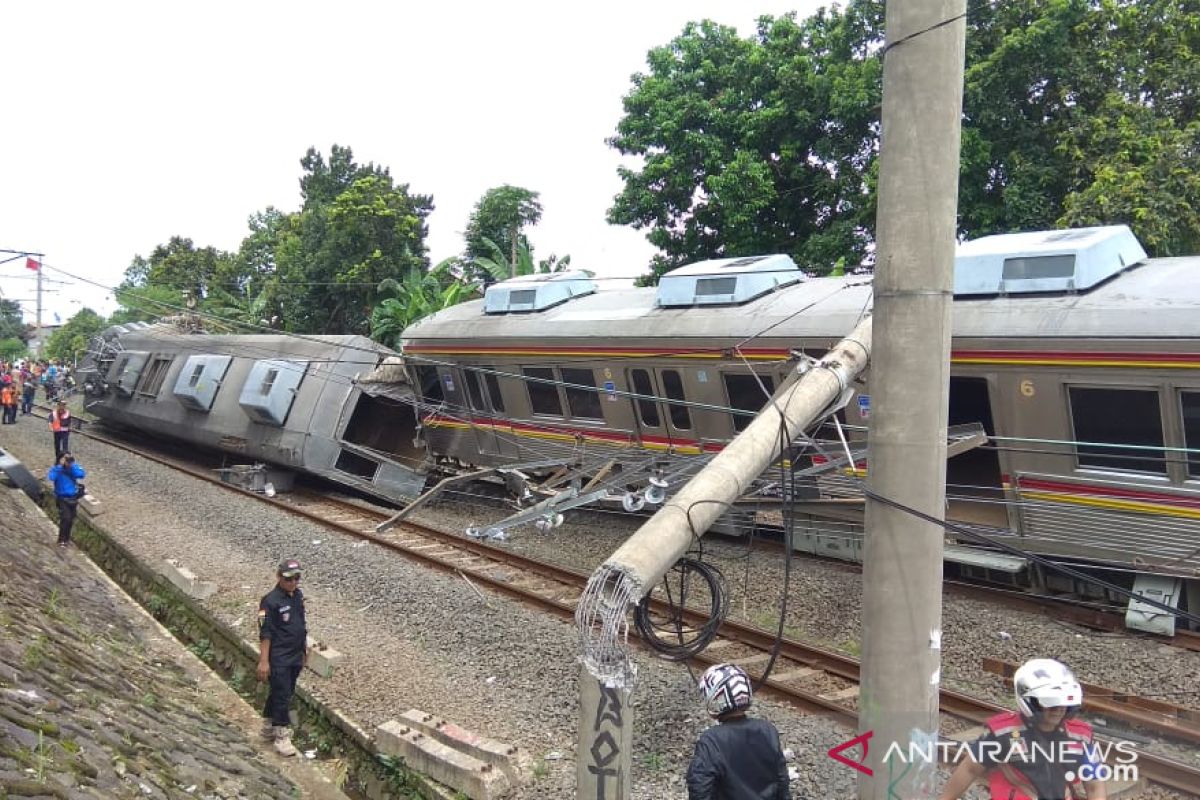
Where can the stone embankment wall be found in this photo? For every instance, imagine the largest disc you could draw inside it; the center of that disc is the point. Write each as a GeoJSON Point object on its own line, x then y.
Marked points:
{"type": "Point", "coordinates": [92, 701]}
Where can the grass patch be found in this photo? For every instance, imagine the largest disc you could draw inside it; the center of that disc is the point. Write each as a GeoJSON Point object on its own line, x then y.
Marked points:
{"type": "Point", "coordinates": [653, 762]}
{"type": "Point", "coordinates": [54, 606]}
{"type": "Point", "coordinates": [35, 654]}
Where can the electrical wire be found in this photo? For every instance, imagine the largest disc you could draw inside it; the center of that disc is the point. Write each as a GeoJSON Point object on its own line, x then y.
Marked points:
{"type": "Point", "coordinates": [683, 647]}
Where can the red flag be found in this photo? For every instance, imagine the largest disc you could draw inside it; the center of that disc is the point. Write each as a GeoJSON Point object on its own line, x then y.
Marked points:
{"type": "Point", "coordinates": [31, 263]}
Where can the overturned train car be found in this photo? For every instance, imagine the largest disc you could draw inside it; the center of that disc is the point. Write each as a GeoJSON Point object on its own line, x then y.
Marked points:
{"type": "Point", "coordinates": [294, 402]}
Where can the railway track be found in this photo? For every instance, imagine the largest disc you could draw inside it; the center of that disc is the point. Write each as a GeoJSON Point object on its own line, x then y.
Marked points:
{"type": "Point", "coordinates": [810, 678]}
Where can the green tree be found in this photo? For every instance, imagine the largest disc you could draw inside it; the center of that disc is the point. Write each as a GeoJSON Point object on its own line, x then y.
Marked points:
{"type": "Point", "coordinates": [70, 342]}
{"type": "Point", "coordinates": [1074, 111]}
{"type": "Point", "coordinates": [181, 266]}
{"type": "Point", "coordinates": [319, 269]}
{"type": "Point", "coordinates": [755, 145]}
{"type": "Point", "coordinates": [12, 321]}
{"type": "Point", "coordinates": [146, 303]}
{"type": "Point", "coordinates": [500, 218]}
{"type": "Point", "coordinates": [322, 182]}
{"type": "Point", "coordinates": [12, 348]}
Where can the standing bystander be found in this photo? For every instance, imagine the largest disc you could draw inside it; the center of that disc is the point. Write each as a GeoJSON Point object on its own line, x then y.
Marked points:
{"type": "Point", "coordinates": [65, 475]}
{"type": "Point", "coordinates": [283, 652]}
{"type": "Point", "coordinates": [741, 758]}
{"type": "Point", "coordinates": [1048, 696]}
{"type": "Point", "coordinates": [60, 423]}
{"type": "Point", "coordinates": [8, 399]}
{"type": "Point", "coordinates": [28, 390]}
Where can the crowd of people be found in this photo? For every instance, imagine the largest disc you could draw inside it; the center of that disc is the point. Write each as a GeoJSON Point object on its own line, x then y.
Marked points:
{"type": "Point", "coordinates": [21, 379]}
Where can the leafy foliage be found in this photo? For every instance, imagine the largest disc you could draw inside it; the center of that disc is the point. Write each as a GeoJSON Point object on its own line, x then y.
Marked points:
{"type": "Point", "coordinates": [418, 295]}
{"type": "Point", "coordinates": [146, 303]}
{"type": "Point", "coordinates": [12, 321]}
{"type": "Point", "coordinates": [12, 348]}
{"type": "Point", "coordinates": [70, 342]}
{"type": "Point", "coordinates": [1075, 112]}
{"type": "Point", "coordinates": [498, 267]}
{"type": "Point", "coordinates": [316, 270]}
{"type": "Point", "coordinates": [181, 266]}
{"type": "Point", "coordinates": [500, 218]}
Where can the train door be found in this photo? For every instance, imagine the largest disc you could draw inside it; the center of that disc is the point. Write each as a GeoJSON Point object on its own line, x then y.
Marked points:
{"type": "Point", "coordinates": [647, 409]}
{"type": "Point", "coordinates": [662, 423]}
{"type": "Point", "coordinates": [487, 412]}
{"type": "Point", "coordinates": [973, 481]}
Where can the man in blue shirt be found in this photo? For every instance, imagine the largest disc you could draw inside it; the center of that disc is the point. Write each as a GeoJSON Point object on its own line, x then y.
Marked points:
{"type": "Point", "coordinates": [65, 475]}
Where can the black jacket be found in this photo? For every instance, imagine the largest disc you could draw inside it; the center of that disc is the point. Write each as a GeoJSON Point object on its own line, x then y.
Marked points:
{"type": "Point", "coordinates": [740, 759]}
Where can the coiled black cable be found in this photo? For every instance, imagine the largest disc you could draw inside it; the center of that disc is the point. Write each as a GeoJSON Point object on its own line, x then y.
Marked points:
{"type": "Point", "coordinates": [671, 636]}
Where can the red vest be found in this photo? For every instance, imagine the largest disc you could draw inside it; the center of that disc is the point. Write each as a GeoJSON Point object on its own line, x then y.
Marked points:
{"type": "Point", "coordinates": [1005, 782]}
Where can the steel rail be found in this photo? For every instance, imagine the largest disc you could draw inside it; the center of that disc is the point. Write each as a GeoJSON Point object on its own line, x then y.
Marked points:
{"type": "Point", "coordinates": [1156, 768]}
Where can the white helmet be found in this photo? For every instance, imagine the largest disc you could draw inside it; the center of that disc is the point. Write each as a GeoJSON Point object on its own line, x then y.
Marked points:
{"type": "Point", "coordinates": [1045, 683]}
{"type": "Point", "coordinates": [725, 688]}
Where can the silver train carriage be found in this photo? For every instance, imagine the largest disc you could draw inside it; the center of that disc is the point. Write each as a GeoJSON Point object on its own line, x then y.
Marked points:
{"type": "Point", "coordinates": [1077, 356]}
{"type": "Point", "coordinates": [293, 402]}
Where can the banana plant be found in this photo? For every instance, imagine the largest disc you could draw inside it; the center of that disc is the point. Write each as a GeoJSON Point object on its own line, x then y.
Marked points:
{"type": "Point", "coordinates": [418, 295]}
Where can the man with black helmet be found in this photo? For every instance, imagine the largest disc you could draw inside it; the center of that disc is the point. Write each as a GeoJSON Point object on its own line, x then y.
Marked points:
{"type": "Point", "coordinates": [1036, 754]}
{"type": "Point", "coordinates": [283, 652]}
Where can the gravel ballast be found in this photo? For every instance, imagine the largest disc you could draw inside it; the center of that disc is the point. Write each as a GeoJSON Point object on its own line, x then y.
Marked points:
{"type": "Point", "coordinates": [418, 639]}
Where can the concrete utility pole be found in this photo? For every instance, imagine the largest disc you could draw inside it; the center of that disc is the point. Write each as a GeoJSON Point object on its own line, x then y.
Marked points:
{"type": "Point", "coordinates": [640, 563]}
{"type": "Point", "coordinates": [902, 575]}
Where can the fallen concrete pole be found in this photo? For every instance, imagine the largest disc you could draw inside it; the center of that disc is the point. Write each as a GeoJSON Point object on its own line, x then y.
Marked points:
{"type": "Point", "coordinates": [639, 564]}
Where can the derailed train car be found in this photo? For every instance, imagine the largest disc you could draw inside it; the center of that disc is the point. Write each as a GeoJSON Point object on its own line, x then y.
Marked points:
{"type": "Point", "coordinates": [1076, 355]}
{"type": "Point", "coordinates": [290, 401]}
{"type": "Point", "coordinates": [1075, 364]}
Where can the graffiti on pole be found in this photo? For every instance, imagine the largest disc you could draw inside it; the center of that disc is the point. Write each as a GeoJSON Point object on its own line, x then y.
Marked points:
{"type": "Point", "coordinates": [605, 751]}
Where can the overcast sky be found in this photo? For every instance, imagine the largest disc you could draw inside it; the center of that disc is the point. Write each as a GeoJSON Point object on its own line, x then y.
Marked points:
{"type": "Point", "coordinates": [127, 123]}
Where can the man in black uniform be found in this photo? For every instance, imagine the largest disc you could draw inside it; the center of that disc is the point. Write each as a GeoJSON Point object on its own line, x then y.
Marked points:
{"type": "Point", "coordinates": [283, 652]}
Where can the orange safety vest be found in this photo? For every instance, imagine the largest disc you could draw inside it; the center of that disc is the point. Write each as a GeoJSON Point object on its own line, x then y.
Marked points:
{"type": "Point", "coordinates": [1006, 782]}
{"type": "Point", "coordinates": [6, 397]}
{"type": "Point", "coordinates": [58, 423]}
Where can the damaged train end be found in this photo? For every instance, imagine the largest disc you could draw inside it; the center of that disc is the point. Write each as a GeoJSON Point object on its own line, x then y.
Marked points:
{"type": "Point", "coordinates": [336, 407]}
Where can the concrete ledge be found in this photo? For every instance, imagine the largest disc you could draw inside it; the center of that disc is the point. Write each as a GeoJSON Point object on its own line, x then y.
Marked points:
{"type": "Point", "coordinates": [505, 757]}
{"type": "Point", "coordinates": [444, 764]}
{"type": "Point", "coordinates": [186, 581]}
{"type": "Point", "coordinates": [90, 505]}
{"type": "Point", "coordinates": [321, 659]}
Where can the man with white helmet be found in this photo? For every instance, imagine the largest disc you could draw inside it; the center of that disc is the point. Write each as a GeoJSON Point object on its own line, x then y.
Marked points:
{"type": "Point", "coordinates": [740, 758]}
{"type": "Point", "coordinates": [1039, 753]}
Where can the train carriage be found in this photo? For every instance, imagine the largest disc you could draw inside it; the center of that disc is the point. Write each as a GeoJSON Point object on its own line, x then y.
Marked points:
{"type": "Point", "coordinates": [293, 402]}
{"type": "Point", "coordinates": [1075, 358]}
{"type": "Point", "coordinates": [1074, 352]}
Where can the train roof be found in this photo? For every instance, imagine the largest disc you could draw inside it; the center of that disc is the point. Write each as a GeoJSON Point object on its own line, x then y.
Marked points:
{"type": "Point", "coordinates": [1156, 298]}
{"type": "Point", "coordinates": [167, 338]}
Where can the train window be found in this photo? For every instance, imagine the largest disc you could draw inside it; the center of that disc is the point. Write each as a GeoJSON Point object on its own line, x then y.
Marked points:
{"type": "Point", "coordinates": [197, 371]}
{"type": "Point", "coordinates": [1191, 430]}
{"type": "Point", "coordinates": [646, 405]}
{"type": "Point", "coordinates": [493, 387]}
{"type": "Point", "coordinates": [475, 390]}
{"type": "Point", "coordinates": [153, 380]}
{"type": "Point", "coordinates": [584, 403]}
{"type": "Point", "coordinates": [1128, 417]}
{"type": "Point", "coordinates": [431, 385]}
{"type": "Point", "coordinates": [681, 418]}
{"type": "Point", "coordinates": [745, 394]}
{"type": "Point", "coordinates": [1033, 267]}
{"type": "Point", "coordinates": [543, 397]}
